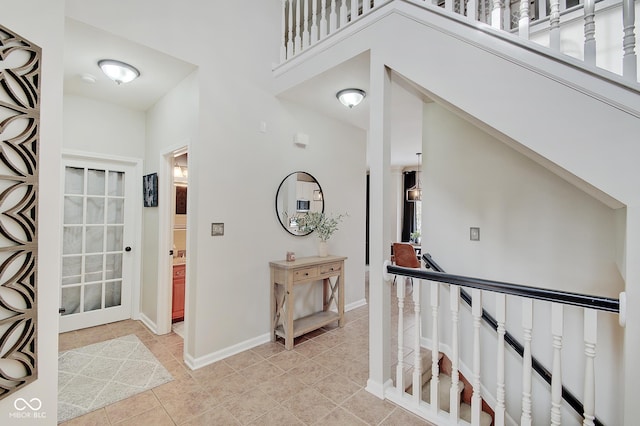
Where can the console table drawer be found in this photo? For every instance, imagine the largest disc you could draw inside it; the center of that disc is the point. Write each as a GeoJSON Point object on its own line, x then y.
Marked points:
{"type": "Point", "coordinates": [330, 268]}
{"type": "Point", "coordinates": [306, 273]}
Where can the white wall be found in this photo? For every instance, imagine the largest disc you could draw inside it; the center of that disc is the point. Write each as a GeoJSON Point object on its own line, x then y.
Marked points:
{"type": "Point", "coordinates": [234, 168]}
{"type": "Point", "coordinates": [535, 229]}
{"type": "Point", "coordinates": [42, 22]}
{"type": "Point", "coordinates": [103, 128]}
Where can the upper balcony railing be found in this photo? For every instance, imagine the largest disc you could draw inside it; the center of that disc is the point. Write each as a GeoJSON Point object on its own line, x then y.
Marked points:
{"type": "Point", "coordinates": [307, 22]}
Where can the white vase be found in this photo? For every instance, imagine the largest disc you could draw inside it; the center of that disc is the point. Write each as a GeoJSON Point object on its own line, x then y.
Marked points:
{"type": "Point", "coordinates": [323, 250]}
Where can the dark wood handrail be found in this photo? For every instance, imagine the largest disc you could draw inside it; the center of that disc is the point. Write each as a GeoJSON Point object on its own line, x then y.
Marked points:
{"type": "Point", "coordinates": [586, 301]}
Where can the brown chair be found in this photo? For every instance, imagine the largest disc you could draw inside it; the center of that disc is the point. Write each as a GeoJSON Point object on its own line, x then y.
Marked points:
{"type": "Point", "coordinates": [405, 255]}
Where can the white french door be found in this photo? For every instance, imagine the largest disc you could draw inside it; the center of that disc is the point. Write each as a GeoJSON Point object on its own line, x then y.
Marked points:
{"type": "Point", "coordinates": [97, 263]}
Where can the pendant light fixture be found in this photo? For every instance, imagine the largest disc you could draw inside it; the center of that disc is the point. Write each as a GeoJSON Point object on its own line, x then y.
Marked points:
{"type": "Point", "coordinates": [415, 192]}
{"type": "Point", "coordinates": [351, 97]}
{"type": "Point", "coordinates": [118, 71]}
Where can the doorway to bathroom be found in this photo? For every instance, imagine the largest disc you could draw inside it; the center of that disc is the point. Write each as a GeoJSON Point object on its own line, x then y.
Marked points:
{"type": "Point", "coordinates": [179, 238]}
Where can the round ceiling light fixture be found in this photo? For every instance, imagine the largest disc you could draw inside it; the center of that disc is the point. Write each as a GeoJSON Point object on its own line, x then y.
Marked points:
{"type": "Point", "coordinates": [118, 71]}
{"type": "Point", "coordinates": [351, 97]}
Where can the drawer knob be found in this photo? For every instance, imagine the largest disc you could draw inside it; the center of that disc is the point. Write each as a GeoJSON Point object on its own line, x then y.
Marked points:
{"type": "Point", "coordinates": [306, 274]}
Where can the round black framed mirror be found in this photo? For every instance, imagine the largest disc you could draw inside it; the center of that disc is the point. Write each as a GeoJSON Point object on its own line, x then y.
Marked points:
{"type": "Point", "coordinates": [298, 194]}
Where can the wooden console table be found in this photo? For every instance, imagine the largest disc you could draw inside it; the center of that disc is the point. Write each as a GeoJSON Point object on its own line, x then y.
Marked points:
{"type": "Point", "coordinates": [286, 275]}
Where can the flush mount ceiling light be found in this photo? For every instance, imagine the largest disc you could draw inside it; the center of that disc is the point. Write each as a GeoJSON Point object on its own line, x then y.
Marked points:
{"type": "Point", "coordinates": [351, 97]}
{"type": "Point", "coordinates": [118, 71]}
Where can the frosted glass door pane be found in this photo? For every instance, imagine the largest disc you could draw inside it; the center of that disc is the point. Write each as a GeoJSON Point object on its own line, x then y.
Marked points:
{"type": "Point", "coordinates": [74, 181]}
{"type": "Point", "coordinates": [93, 266]}
{"type": "Point", "coordinates": [95, 210]}
{"type": "Point", "coordinates": [73, 210]}
{"type": "Point", "coordinates": [113, 294]}
{"type": "Point", "coordinates": [72, 240]}
{"type": "Point", "coordinates": [114, 266]}
{"type": "Point", "coordinates": [71, 300]}
{"type": "Point", "coordinates": [116, 184]}
{"type": "Point", "coordinates": [114, 238]}
{"type": "Point", "coordinates": [115, 213]}
{"type": "Point", "coordinates": [71, 270]}
{"type": "Point", "coordinates": [92, 297]}
{"type": "Point", "coordinates": [95, 182]}
{"type": "Point", "coordinates": [95, 239]}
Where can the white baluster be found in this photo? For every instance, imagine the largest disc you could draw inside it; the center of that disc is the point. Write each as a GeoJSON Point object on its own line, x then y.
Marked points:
{"type": "Point", "coordinates": [305, 18]}
{"type": "Point", "coordinates": [343, 13]}
{"type": "Point", "coordinates": [629, 60]}
{"type": "Point", "coordinates": [472, 10]}
{"type": "Point", "coordinates": [333, 18]}
{"type": "Point", "coordinates": [476, 398]}
{"type": "Point", "coordinates": [589, 32]}
{"type": "Point", "coordinates": [323, 19]}
{"type": "Point", "coordinates": [354, 10]}
{"type": "Point", "coordinates": [506, 15]}
{"type": "Point", "coordinates": [590, 340]}
{"type": "Point", "coordinates": [554, 25]}
{"type": "Point", "coordinates": [527, 325]}
{"type": "Point", "coordinates": [523, 23]}
{"type": "Point", "coordinates": [283, 33]}
{"type": "Point", "coordinates": [496, 14]}
{"type": "Point", "coordinates": [297, 41]}
{"type": "Point", "coordinates": [417, 359]}
{"type": "Point", "coordinates": [400, 291]}
{"type": "Point", "coordinates": [557, 322]}
{"type": "Point", "coordinates": [314, 21]}
{"type": "Point", "coordinates": [454, 400]}
{"type": "Point", "coordinates": [365, 6]}
{"type": "Point", "coordinates": [448, 5]}
{"type": "Point", "coordinates": [501, 317]}
{"type": "Point", "coordinates": [290, 38]}
{"type": "Point", "coordinates": [435, 347]}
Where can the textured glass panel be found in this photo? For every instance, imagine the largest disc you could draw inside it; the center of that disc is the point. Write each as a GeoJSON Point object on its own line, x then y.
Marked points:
{"type": "Point", "coordinates": [95, 182]}
{"type": "Point", "coordinates": [71, 300]}
{"type": "Point", "coordinates": [115, 214]}
{"type": "Point", "coordinates": [72, 240]}
{"type": "Point", "coordinates": [95, 210]}
{"type": "Point", "coordinates": [92, 297]}
{"type": "Point", "coordinates": [93, 268]}
{"type": "Point", "coordinates": [72, 210]}
{"type": "Point", "coordinates": [94, 242]}
{"type": "Point", "coordinates": [114, 238]}
{"type": "Point", "coordinates": [71, 270]}
{"type": "Point", "coordinates": [116, 184]}
{"type": "Point", "coordinates": [114, 266]}
{"type": "Point", "coordinates": [113, 294]}
{"type": "Point", "coordinates": [73, 180]}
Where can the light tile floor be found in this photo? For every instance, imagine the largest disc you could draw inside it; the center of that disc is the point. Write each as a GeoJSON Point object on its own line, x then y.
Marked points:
{"type": "Point", "coordinates": [320, 382]}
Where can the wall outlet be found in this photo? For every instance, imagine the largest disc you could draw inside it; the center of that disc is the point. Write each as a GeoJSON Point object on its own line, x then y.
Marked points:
{"type": "Point", "coordinates": [474, 234]}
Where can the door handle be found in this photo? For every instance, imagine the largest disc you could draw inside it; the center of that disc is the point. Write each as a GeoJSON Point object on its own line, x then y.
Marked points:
{"type": "Point", "coordinates": [170, 252]}
{"type": "Point", "coordinates": [127, 248]}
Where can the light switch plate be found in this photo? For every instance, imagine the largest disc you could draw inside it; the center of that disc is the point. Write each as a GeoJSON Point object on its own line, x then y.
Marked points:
{"type": "Point", "coordinates": [474, 234]}
{"type": "Point", "coordinates": [217, 229]}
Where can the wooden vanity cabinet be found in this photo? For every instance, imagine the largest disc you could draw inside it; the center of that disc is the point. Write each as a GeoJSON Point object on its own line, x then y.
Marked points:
{"type": "Point", "coordinates": [177, 311]}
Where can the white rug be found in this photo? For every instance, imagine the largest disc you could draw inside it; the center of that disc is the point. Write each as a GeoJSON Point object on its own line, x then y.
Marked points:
{"type": "Point", "coordinates": [97, 375]}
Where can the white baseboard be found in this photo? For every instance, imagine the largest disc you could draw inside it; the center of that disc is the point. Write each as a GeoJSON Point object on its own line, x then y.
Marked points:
{"type": "Point", "coordinates": [148, 323]}
{"type": "Point", "coordinates": [378, 389]}
{"type": "Point", "coordinates": [195, 363]}
{"type": "Point", "coordinates": [355, 305]}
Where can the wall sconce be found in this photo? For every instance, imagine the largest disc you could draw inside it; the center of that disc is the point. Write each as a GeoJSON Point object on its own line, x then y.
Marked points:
{"type": "Point", "coordinates": [415, 192]}
{"type": "Point", "coordinates": [351, 97]}
{"type": "Point", "coordinates": [118, 71]}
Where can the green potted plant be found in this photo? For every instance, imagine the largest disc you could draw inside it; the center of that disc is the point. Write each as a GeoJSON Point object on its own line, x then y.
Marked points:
{"type": "Point", "coordinates": [415, 237]}
{"type": "Point", "coordinates": [324, 225]}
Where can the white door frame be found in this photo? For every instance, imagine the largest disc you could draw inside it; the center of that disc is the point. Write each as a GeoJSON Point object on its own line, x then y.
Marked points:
{"type": "Point", "coordinates": [136, 164]}
{"type": "Point", "coordinates": [165, 238]}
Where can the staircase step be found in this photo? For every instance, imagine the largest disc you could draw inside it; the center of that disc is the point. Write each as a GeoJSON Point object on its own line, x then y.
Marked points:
{"type": "Point", "coordinates": [444, 391]}
{"type": "Point", "coordinates": [465, 414]}
{"type": "Point", "coordinates": [426, 357]}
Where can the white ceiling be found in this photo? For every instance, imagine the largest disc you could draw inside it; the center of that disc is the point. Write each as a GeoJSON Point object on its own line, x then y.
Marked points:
{"type": "Point", "coordinates": [86, 45]}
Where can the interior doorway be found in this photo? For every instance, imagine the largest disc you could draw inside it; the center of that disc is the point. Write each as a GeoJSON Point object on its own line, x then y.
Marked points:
{"type": "Point", "coordinates": [179, 240]}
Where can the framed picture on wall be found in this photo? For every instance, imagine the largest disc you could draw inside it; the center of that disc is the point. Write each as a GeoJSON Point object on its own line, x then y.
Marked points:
{"type": "Point", "coordinates": [150, 190]}
{"type": "Point", "coordinates": [181, 200]}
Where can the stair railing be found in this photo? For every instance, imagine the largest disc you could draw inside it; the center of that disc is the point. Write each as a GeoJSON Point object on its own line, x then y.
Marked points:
{"type": "Point", "coordinates": [307, 22]}
{"type": "Point", "coordinates": [591, 305]}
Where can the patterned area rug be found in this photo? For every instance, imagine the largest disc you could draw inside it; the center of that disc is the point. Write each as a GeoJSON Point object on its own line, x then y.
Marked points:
{"type": "Point", "coordinates": [97, 375]}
